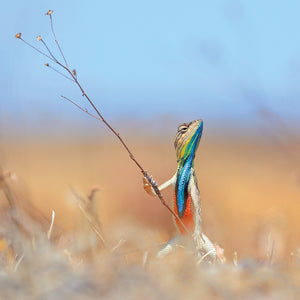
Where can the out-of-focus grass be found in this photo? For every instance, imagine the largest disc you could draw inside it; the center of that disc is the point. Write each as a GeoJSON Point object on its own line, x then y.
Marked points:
{"type": "Point", "coordinates": [250, 198]}
{"type": "Point", "coordinates": [249, 189]}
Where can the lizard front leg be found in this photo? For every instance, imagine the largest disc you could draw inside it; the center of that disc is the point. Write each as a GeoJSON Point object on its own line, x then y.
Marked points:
{"type": "Point", "coordinates": [148, 188]}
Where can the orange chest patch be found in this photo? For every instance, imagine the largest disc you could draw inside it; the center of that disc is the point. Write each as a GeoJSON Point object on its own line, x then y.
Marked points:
{"type": "Point", "coordinates": [187, 219]}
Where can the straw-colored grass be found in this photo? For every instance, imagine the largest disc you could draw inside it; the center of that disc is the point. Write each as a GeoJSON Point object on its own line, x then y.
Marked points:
{"type": "Point", "coordinates": [250, 202]}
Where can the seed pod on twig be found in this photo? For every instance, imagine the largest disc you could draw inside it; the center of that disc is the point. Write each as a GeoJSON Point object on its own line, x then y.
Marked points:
{"type": "Point", "coordinates": [49, 12]}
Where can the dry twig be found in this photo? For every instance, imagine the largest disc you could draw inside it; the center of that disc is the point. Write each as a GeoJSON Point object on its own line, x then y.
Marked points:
{"type": "Point", "coordinates": [85, 207]}
{"type": "Point", "coordinates": [51, 225]}
{"type": "Point", "coordinates": [73, 77]}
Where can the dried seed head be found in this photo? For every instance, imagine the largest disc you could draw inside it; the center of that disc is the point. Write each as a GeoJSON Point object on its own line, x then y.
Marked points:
{"type": "Point", "coordinates": [38, 38]}
{"type": "Point", "coordinates": [18, 35]}
{"type": "Point", "coordinates": [47, 65]}
{"type": "Point", "coordinates": [49, 12]}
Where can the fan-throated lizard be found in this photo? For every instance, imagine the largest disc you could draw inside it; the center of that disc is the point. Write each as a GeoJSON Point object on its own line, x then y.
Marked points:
{"type": "Point", "coordinates": [187, 203]}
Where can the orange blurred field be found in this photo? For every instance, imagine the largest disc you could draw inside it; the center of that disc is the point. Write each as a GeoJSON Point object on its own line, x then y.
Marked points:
{"type": "Point", "coordinates": [250, 188]}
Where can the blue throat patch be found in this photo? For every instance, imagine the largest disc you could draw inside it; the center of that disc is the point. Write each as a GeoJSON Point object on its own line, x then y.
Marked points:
{"type": "Point", "coordinates": [181, 186]}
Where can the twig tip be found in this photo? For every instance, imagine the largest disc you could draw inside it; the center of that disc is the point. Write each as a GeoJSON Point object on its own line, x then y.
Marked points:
{"type": "Point", "coordinates": [49, 12]}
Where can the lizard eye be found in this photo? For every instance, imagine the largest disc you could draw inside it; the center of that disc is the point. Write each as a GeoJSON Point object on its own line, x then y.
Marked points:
{"type": "Point", "coordinates": [183, 128]}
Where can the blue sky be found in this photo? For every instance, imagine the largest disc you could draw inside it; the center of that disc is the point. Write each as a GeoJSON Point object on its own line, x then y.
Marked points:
{"type": "Point", "coordinates": [219, 60]}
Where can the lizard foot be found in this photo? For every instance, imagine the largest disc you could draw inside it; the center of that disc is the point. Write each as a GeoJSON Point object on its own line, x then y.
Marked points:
{"type": "Point", "coordinates": [204, 246]}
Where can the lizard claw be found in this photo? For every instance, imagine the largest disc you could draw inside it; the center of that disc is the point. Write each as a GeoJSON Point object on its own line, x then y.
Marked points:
{"type": "Point", "coordinates": [147, 186]}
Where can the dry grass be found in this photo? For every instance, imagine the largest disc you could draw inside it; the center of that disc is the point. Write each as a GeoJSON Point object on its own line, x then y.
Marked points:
{"type": "Point", "coordinates": [250, 195]}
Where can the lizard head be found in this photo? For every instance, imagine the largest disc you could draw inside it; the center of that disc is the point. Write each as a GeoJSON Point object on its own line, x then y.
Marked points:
{"type": "Point", "coordinates": [187, 140]}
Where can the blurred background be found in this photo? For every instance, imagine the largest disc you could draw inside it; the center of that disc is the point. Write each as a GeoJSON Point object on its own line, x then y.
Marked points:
{"type": "Point", "coordinates": [149, 67]}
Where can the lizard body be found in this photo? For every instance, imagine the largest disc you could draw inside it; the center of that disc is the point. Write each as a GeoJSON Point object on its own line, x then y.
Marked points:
{"type": "Point", "coordinates": [187, 202]}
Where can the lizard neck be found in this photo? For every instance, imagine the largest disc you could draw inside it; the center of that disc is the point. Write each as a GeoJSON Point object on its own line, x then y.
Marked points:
{"type": "Point", "coordinates": [184, 172]}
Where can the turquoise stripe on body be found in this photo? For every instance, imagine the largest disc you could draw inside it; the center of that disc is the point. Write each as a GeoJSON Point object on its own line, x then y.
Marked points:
{"type": "Point", "coordinates": [181, 187]}
{"type": "Point", "coordinates": [184, 171]}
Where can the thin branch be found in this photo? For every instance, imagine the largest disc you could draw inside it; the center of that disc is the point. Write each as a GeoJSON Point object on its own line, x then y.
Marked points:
{"type": "Point", "coordinates": [56, 41]}
{"type": "Point", "coordinates": [60, 73]}
{"type": "Point", "coordinates": [54, 58]}
{"type": "Point", "coordinates": [36, 49]}
{"type": "Point", "coordinates": [73, 75]}
{"type": "Point", "coordinates": [81, 108]}
{"type": "Point", "coordinates": [152, 182]}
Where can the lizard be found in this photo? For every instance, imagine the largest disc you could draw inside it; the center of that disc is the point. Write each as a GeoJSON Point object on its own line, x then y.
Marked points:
{"type": "Point", "coordinates": [187, 202]}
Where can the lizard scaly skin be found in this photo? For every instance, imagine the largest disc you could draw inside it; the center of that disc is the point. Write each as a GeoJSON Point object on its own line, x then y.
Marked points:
{"type": "Point", "coordinates": [187, 202]}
